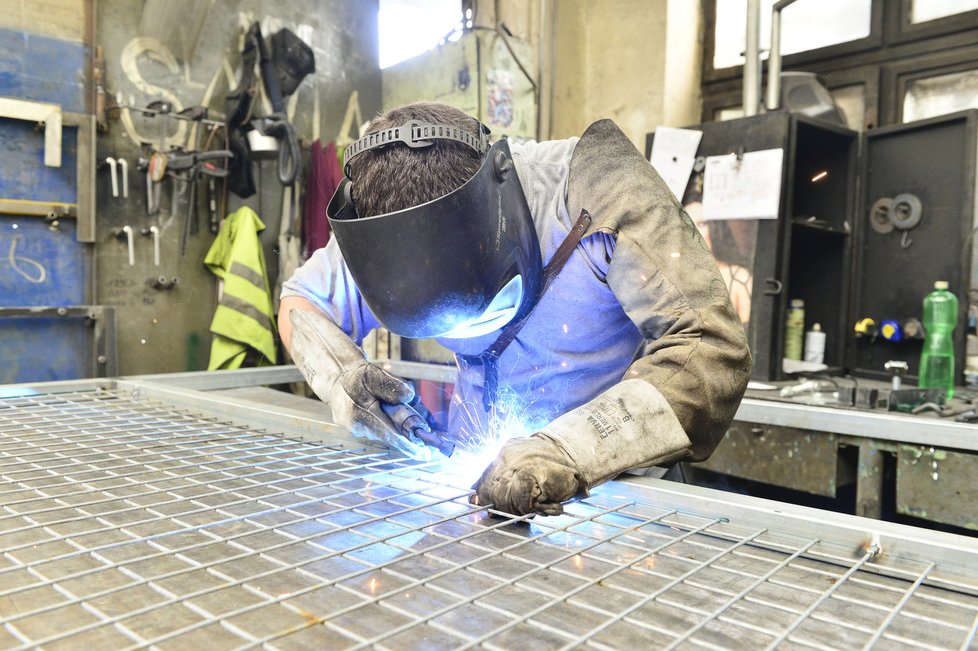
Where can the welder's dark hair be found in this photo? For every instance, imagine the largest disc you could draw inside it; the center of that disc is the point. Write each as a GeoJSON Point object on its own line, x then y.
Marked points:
{"type": "Point", "coordinates": [399, 177]}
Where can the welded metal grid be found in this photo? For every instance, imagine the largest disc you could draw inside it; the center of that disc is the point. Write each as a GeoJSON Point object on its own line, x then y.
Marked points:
{"type": "Point", "coordinates": [130, 523]}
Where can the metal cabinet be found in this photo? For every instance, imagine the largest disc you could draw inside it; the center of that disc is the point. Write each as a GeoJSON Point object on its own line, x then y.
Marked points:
{"type": "Point", "coordinates": [867, 222]}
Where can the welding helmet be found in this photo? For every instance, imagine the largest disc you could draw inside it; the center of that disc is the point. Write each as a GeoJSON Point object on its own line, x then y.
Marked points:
{"type": "Point", "coordinates": [462, 265]}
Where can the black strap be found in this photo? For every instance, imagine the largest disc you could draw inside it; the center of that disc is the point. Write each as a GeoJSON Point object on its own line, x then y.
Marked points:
{"type": "Point", "coordinates": [490, 357]}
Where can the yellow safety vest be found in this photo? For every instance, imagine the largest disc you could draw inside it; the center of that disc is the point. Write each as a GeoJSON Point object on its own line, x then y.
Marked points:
{"type": "Point", "coordinates": [244, 318]}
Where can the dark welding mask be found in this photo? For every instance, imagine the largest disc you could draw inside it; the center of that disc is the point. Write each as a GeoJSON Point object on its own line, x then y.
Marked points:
{"type": "Point", "coordinates": [460, 266]}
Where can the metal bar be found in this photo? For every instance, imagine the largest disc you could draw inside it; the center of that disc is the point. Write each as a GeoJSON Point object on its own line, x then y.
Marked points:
{"type": "Point", "coordinates": [869, 480]}
{"type": "Point", "coordinates": [656, 593]}
{"type": "Point", "coordinates": [198, 511]}
{"type": "Point", "coordinates": [752, 59]}
{"type": "Point", "coordinates": [840, 534]}
{"type": "Point", "coordinates": [743, 593]}
{"type": "Point", "coordinates": [84, 174]}
{"type": "Point", "coordinates": [825, 595]}
{"type": "Point", "coordinates": [971, 636]}
{"type": "Point", "coordinates": [243, 538]}
{"type": "Point", "coordinates": [231, 379]}
{"type": "Point", "coordinates": [774, 57]}
{"type": "Point", "coordinates": [348, 576]}
{"type": "Point", "coordinates": [896, 609]}
{"type": "Point", "coordinates": [106, 359]}
{"type": "Point", "coordinates": [885, 426]}
{"type": "Point", "coordinates": [37, 208]}
{"type": "Point", "coordinates": [196, 547]}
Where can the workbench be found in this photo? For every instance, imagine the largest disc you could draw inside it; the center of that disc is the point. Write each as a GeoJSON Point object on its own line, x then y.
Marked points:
{"type": "Point", "coordinates": [211, 511]}
{"type": "Point", "coordinates": [817, 449]}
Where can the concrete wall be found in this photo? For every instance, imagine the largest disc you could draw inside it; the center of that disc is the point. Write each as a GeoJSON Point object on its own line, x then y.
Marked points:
{"type": "Point", "coordinates": [635, 61]}
{"type": "Point", "coordinates": [62, 19]}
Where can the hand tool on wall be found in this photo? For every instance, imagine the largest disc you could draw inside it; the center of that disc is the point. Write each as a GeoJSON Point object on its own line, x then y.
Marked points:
{"type": "Point", "coordinates": [185, 167]}
{"type": "Point", "coordinates": [155, 166]}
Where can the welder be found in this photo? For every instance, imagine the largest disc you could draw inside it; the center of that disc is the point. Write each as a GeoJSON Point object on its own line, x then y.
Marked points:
{"type": "Point", "coordinates": [568, 281]}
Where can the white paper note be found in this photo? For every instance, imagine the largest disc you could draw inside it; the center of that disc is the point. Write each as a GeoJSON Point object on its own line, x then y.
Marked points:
{"type": "Point", "coordinates": [749, 188]}
{"type": "Point", "coordinates": [673, 154]}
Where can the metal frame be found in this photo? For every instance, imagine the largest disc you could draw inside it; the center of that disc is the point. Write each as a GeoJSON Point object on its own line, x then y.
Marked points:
{"type": "Point", "coordinates": [136, 514]}
{"type": "Point", "coordinates": [101, 318]}
{"type": "Point", "coordinates": [893, 43]}
{"type": "Point", "coordinates": [83, 210]}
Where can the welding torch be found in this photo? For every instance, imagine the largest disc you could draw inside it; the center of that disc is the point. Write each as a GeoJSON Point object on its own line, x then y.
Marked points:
{"type": "Point", "coordinates": [414, 427]}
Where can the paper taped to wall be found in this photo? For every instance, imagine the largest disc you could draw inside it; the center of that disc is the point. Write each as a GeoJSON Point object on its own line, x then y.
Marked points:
{"type": "Point", "coordinates": [748, 187]}
{"type": "Point", "coordinates": [673, 155]}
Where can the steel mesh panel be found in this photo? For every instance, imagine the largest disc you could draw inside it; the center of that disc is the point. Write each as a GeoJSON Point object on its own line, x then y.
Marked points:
{"type": "Point", "coordinates": [127, 522]}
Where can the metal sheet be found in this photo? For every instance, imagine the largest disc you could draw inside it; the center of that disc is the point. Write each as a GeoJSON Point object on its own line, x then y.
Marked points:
{"type": "Point", "coordinates": [136, 516]}
{"type": "Point", "coordinates": [886, 426]}
{"type": "Point", "coordinates": [937, 485]}
{"type": "Point", "coordinates": [804, 461]}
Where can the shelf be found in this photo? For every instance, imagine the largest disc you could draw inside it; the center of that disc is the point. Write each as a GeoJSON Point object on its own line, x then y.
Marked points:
{"type": "Point", "coordinates": [819, 226]}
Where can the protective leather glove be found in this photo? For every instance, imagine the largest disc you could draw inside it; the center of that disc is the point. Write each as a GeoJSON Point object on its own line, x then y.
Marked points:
{"type": "Point", "coordinates": [339, 373]}
{"type": "Point", "coordinates": [628, 426]}
{"type": "Point", "coordinates": [530, 474]}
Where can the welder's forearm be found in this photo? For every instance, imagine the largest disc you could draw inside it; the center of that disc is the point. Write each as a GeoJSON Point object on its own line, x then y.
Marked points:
{"type": "Point", "coordinates": [631, 425]}
{"type": "Point", "coordinates": [285, 306]}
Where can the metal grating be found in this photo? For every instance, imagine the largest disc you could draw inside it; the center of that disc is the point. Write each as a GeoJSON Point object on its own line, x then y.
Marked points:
{"type": "Point", "coordinates": [128, 522]}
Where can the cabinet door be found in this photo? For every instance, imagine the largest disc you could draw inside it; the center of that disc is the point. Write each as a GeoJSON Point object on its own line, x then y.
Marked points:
{"type": "Point", "coordinates": [746, 250]}
{"type": "Point", "coordinates": [929, 168]}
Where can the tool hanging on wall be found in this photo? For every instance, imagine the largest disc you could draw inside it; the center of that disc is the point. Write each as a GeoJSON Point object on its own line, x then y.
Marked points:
{"type": "Point", "coordinates": [185, 168]}
{"type": "Point", "coordinates": [281, 73]}
{"type": "Point", "coordinates": [126, 234]}
{"type": "Point", "coordinates": [115, 166]}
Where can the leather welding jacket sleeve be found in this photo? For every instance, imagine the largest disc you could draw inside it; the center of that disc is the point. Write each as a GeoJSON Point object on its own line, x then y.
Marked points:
{"type": "Point", "coordinates": [695, 351]}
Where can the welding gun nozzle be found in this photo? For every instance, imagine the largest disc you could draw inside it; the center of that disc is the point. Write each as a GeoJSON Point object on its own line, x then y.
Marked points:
{"type": "Point", "coordinates": [410, 424]}
{"type": "Point", "coordinates": [432, 440]}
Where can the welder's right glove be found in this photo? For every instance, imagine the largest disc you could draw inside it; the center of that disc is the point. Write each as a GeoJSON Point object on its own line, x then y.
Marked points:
{"type": "Point", "coordinates": [339, 373]}
{"type": "Point", "coordinates": [631, 425]}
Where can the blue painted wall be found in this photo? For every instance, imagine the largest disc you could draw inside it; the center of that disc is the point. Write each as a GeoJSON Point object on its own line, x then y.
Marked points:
{"type": "Point", "coordinates": [23, 174]}
{"type": "Point", "coordinates": [40, 266]}
{"type": "Point", "coordinates": [43, 68]}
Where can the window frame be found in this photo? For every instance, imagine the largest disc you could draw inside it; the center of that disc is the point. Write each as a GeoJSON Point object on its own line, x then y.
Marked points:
{"type": "Point", "coordinates": [895, 53]}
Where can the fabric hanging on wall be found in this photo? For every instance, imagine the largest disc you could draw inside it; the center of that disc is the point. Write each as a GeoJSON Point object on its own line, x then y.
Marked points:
{"type": "Point", "coordinates": [289, 237]}
{"type": "Point", "coordinates": [324, 178]}
{"type": "Point", "coordinates": [244, 321]}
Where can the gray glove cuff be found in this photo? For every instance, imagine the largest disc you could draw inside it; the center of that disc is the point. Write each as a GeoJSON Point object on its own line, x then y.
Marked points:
{"type": "Point", "coordinates": [628, 426]}
{"type": "Point", "coordinates": [321, 350]}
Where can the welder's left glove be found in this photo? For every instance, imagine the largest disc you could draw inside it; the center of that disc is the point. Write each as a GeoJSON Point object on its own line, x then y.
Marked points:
{"type": "Point", "coordinates": [628, 426]}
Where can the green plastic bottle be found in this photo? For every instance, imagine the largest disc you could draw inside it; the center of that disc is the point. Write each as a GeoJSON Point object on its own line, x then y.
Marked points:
{"type": "Point", "coordinates": [937, 357]}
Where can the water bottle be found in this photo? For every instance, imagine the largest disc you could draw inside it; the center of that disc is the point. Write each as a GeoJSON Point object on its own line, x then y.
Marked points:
{"type": "Point", "coordinates": [937, 357]}
{"type": "Point", "coordinates": [794, 334]}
